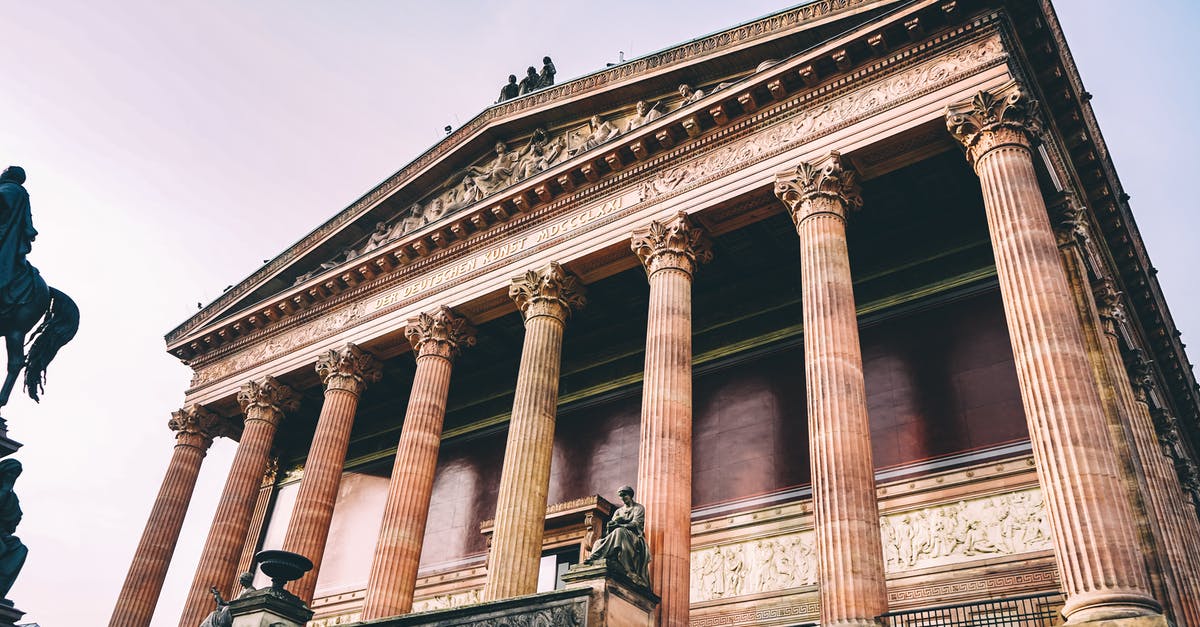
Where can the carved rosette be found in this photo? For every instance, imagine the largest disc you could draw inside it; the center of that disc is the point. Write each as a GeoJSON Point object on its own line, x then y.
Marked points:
{"type": "Point", "coordinates": [675, 244]}
{"type": "Point", "coordinates": [267, 399]}
{"type": "Point", "coordinates": [825, 187]}
{"type": "Point", "coordinates": [196, 426]}
{"type": "Point", "coordinates": [1002, 117]}
{"type": "Point", "coordinates": [349, 368]}
{"type": "Point", "coordinates": [550, 291]}
{"type": "Point", "coordinates": [439, 333]}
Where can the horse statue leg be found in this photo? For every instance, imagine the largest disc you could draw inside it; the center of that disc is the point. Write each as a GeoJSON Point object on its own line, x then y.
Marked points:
{"type": "Point", "coordinates": [15, 341]}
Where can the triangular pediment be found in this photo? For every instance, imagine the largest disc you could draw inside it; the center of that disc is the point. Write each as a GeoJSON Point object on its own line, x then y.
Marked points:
{"type": "Point", "coordinates": [473, 171]}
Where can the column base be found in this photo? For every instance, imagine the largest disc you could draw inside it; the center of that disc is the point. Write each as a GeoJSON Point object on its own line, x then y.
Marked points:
{"type": "Point", "coordinates": [9, 615]}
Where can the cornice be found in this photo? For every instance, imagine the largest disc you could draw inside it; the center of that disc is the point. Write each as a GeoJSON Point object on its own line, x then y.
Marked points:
{"type": "Point", "coordinates": [762, 29]}
{"type": "Point", "coordinates": [812, 111]}
{"type": "Point", "coordinates": [1051, 67]}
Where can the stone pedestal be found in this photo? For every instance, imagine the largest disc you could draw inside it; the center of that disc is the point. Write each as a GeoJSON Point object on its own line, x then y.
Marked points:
{"type": "Point", "coordinates": [615, 601]}
{"type": "Point", "coordinates": [269, 608]}
{"type": "Point", "coordinates": [9, 615]}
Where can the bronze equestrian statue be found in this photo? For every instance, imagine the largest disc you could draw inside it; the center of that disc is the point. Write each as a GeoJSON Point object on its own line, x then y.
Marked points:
{"type": "Point", "coordinates": [24, 296]}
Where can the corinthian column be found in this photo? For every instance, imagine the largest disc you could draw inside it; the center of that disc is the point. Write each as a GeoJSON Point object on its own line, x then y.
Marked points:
{"type": "Point", "coordinates": [845, 511]}
{"type": "Point", "coordinates": [545, 298]}
{"type": "Point", "coordinates": [436, 339]}
{"type": "Point", "coordinates": [194, 429]}
{"type": "Point", "coordinates": [1094, 538]}
{"type": "Point", "coordinates": [263, 404]}
{"type": "Point", "coordinates": [670, 252]}
{"type": "Point", "coordinates": [345, 373]}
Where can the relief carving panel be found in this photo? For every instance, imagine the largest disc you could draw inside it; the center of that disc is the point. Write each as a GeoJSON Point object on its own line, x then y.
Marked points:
{"type": "Point", "coordinates": [990, 526]}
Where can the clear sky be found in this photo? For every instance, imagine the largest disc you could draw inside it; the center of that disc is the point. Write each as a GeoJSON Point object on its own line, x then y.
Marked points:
{"type": "Point", "coordinates": [172, 147]}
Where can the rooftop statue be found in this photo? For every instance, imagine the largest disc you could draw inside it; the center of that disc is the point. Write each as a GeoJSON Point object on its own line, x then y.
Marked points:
{"type": "Point", "coordinates": [546, 78]}
{"type": "Point", "coordinates": [24, 296]}
{"type": "Point", "coordinates": [510, 90]}
{"type": "Point", "coordinates": [531, 81]}
{"type": "Point", "coordinates": [12, 551]}
{"type": "Point", "coordinates": [623, 546]}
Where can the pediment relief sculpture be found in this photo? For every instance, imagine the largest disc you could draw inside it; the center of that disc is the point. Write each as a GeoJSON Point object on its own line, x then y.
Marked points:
{"type": "Point", "coordinates": [507, 165]}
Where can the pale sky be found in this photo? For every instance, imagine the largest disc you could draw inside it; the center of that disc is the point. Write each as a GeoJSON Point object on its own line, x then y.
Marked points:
{"type": "Point", "coordinates": [173, 146]}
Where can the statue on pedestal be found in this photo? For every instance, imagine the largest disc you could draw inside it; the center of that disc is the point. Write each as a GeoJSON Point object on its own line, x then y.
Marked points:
{"type": "Point", "coordinates": [623, 546]}
{"type": "Point", "coordinates": [24, 296]}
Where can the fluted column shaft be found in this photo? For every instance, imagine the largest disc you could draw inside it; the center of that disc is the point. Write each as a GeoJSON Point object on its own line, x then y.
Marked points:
{"type": "Point", "coordinates": [670, 252]}
{"type": "Point", "coordinates": [263, 403]}
{"type": "Point", "coordinates": [436, 339]}
{"type": "Point", "coordinates": [139, 595]}
{"type": "Point", "coordinates": [346, 373]}
{"type": "Point", "coordinates": [845, 510]}
{"type": "Point", "coordinates": [545, 299]}
{"type": "Point", "coordinates": [262, 503]}
{"type": "Point", "coordinates": [1095, 543]}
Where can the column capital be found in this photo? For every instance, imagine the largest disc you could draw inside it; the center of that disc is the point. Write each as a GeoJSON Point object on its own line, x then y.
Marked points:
{"type": "Point", "coordinates": [1108, 304]}
{"type": "Point", "coordinates": [439, 333]}
{"type": "Point", "coordinates": [675, 243]}
{"type": "Point", "coordinates": [1004, 116]}
{"type": "Point", "coordinates": [825, 186]}
{"type": "Point", "coordinates": [550, 291]}
{"type": "Point", "coordinates": [1141, 373]}
{"type": "Point", "coordinates": [195, 426]}
{"type": "Point", "coordinates": [348, 368]}
{"type": "Point", "coordinates": [268, 398]}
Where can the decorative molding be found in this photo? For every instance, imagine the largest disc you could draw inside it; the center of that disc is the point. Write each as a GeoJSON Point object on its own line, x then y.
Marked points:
{"type": "Point", "coordinates": [349, 368]}
{"type": "Point", "coordinates": [550, 291]}
{"type": "Point", "coordinates": [676, 243]}
{"type": "Point", "coordinates": [818, 119]}
{"type": "Point", "coordinates": [1141, 373]}
{"type": "Point", "coordinates": [269, 397]}
{"type": "Point", "coordinates": [827, 186]}
{"type": "Point", "coordinates": [1004, 116]}
{"type": "Point", "coordinates": [439, 333]}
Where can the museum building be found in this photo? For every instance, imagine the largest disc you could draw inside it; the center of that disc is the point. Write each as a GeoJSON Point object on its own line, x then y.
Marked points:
{"type": "Point", "coordinates": [851, 295]}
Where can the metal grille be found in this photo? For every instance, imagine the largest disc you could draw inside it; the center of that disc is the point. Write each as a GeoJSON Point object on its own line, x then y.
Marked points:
{"type": "Point", "coordinates": [1035, 610]}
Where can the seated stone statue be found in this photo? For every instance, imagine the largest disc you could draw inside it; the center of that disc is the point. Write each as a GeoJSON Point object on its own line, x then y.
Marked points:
{"type": "Point", "coordinates": [530, 83]}
{"type": "Point", "coordinates": [623, 546]}
{"type": "Point", "coordinates": [602, 131]}
{"type": "Point", "coordinates": [689, 95]}
{"type": "Point", "coordinates": [219, 617]}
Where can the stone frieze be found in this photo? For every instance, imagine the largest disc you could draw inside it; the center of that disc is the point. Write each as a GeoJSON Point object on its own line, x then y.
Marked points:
{"type": "Point", "coordinates": [991, 526]}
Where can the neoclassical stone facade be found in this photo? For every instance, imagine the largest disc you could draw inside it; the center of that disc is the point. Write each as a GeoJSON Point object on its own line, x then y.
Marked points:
{"type": "Point", "coordinates": [865, 321]}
